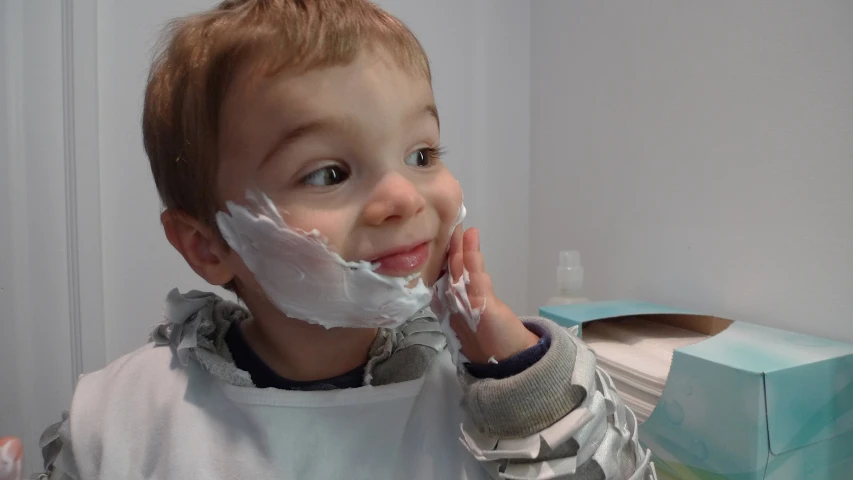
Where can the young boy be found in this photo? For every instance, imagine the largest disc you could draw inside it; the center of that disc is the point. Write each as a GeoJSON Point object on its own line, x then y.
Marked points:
{"type": "Point", "coordinates": [295, 145]}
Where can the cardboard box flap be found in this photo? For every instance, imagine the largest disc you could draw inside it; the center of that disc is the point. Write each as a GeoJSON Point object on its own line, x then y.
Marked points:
{"type": "Point", "coordinates": [580, 313]}
{"type": "Point", "coordinates": [586, 312]}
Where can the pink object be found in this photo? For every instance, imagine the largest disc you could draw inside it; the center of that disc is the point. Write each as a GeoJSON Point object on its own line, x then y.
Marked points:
{"type": "Point", "coordinates": [403, 262]}
{"type": "Point", "coordinates": [11, 458]}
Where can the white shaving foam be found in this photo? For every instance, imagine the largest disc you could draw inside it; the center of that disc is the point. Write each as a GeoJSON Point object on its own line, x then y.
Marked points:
{"type": "Point", "coordinates": [304, 279]}
{"type": "Point", "coordinates": [455, 294]}
{"type": "Point", "coordinates": [462, 304]}
{"type": "Point", "coordinates": [452, 298]}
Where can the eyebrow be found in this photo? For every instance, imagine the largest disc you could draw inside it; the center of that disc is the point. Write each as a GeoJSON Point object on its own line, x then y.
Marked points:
{"type": "Point", "coordinates": [432, 111]}
{"type": "Point", "coordinates": [315, 127]}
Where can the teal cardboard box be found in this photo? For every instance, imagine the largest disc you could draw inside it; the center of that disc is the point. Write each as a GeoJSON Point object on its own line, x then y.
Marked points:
{"type": "Point", "coordinates": [748, 403]}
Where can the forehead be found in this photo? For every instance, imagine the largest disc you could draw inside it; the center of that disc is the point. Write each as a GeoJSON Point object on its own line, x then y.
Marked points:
{"type": "Point", "coordinates": [372, 89]}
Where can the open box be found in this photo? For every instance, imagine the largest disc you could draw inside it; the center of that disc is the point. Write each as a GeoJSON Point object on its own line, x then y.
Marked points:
{"type": "Point", "coordinates": [749, 403]}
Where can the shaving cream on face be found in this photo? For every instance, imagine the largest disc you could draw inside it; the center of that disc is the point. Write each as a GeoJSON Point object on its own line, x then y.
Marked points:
{"type": "Point", "coordinates": [304, 279]}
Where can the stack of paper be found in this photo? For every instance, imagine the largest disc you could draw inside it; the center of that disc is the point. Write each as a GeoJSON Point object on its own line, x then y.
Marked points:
{"type": "Point", "coordinates": [637, 354]}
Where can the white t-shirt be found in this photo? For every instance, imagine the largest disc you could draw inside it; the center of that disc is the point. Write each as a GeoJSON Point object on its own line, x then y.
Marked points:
{"type": "Point", "coordinates": [146, 416]}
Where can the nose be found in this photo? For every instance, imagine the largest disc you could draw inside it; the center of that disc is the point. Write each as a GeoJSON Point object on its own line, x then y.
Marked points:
{"type": "Point", "coordinates": [395, 198]}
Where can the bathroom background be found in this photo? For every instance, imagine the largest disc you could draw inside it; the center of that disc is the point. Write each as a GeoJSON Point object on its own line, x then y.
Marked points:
{"type": "Point", "coordinates": [697, 154]}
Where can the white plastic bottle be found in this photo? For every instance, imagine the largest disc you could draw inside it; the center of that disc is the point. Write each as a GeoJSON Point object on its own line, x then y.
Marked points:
{"type": "Point", "coordinates": [569, 279]}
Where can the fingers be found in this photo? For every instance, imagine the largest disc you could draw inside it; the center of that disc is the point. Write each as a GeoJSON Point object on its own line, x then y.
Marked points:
{"type": "Point", "coordinates": [481, 284]}
{"type": "Point", "coordinates": [479, 289]}
{"type": "Point", "coordinates": [455, 256]}
{"type": "Point", "coordinates": [465, 252]}
{"type": "Point", "coordinates": [474, 262]}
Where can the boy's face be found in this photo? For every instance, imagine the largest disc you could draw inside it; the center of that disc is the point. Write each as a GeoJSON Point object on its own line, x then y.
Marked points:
{"type": "Point", "coordinates": [348, 151]}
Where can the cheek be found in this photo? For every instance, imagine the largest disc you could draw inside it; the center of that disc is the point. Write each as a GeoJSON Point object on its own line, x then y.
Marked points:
{"type": "Point", "coordinates": [335, 228]}
{"type": "Point", "coordinates": [336, 225]}
{"type": "Point", "coordinates": [448, 200]}
{"type": "Point", "coordinates": [244, 277]}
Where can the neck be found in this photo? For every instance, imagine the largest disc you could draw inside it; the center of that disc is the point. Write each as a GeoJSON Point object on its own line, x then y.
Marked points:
{"type": "Point", "coordinates": [301, 351]}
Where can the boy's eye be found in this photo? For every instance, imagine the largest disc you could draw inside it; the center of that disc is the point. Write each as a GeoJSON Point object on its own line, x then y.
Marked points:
{"type": "Point", "coordinates": [326, 176]}
{"type": "Point", "coordinates": [422, 158]}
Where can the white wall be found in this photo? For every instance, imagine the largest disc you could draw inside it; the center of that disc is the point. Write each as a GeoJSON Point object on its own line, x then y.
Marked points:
{"type": "Point", "coordinates": [698, 154]}
{"type": "Point", "coordinates": [37, 278]}
{"type": "Point", "coordinates": [9, 404]}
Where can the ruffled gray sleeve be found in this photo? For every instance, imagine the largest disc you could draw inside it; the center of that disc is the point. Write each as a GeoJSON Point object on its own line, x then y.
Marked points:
{"type": "Point", "coordinates": [559, 419]}
{"type": "Point", "coordinates": [194, 329]}
{"type": "Point", "coordinates": [55, 444]}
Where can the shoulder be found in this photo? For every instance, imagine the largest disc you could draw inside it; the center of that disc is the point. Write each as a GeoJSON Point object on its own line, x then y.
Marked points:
{"type": "Point", "coordinates": [135, 369]}
{"type": "Point", "coordinates": [127, 389]}
{"type": "Point", "coordinates": [131, 381]}
{"type": "Point", "coordinates": [131, 394]}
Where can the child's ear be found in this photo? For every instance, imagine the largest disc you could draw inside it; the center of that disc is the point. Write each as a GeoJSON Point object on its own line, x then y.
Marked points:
{"type": "Point", "coordinates": [200, 246]}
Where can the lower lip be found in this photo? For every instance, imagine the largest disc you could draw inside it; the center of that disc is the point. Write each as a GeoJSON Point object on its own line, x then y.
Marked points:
{"type": "Point", "coordinates": [403, 263]}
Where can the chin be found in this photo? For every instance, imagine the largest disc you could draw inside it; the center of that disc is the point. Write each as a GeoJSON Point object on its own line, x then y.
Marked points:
{"type": "Point", "coordinates": [430, 275]}
{"type": "Point", "coordinates": [434, 266]}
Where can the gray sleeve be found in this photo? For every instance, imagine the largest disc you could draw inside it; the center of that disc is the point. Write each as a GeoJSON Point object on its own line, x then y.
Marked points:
{"type": "Point", "coordinates": [55, 444]}
{"type": "Point", "coordinates": [559, 419]}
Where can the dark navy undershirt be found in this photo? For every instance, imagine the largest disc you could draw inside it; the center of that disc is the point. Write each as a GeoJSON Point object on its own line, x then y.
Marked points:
{"type": "Point", "coordinates": [264, 377]}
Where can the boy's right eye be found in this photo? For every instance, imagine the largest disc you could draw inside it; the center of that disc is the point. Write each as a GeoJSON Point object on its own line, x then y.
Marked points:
{"type": "Point", "coordinates": [326, 176]}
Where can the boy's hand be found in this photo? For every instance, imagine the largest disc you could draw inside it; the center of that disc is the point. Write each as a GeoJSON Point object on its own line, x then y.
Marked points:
{"type": "Point", "coordinates": [500, 333]}
{"type": "Point", "coordinates": [11, 455]}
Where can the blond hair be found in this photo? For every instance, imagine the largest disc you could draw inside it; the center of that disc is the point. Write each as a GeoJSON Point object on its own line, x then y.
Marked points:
{"type": "Point", "coordinates": [200, 56]}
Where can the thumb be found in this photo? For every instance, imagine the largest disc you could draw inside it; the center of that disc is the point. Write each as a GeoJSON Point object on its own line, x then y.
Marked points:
{"type": "Point", "coordinates": [11, 458]}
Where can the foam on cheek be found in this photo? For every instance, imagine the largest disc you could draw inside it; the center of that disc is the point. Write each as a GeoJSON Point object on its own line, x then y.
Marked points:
{"type": "Point", "coordinates": [460, 217]}
{"type": "Point", "coordinates": [306, 280]}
